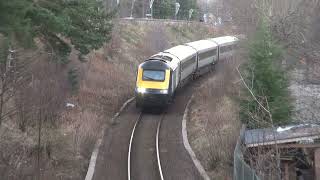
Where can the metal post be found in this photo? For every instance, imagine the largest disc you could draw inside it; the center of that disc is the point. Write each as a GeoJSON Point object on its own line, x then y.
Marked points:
{"type": "Point", "coordinates": [175, 14]}
{"type": "Point", "coordinates": [132, 4]}
{"type": "Point", "coordinates": [143, 9]}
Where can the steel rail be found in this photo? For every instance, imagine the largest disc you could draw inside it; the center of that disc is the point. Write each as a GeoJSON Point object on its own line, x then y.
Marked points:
{"type": "Point", "coordinates": [130, 145]}
{"type": "Point", "coordinates": [157, 147]}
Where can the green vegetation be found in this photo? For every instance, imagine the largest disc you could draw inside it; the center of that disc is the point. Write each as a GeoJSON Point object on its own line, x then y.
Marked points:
{"type": "Point", "coordinates": [185, 6]}
{"type": "Point", "coordinates": [73, 79]}
{"type": "Point", "coordinates": [165, 9]}
{"type": "Point", "coordinates": [83, 22]}
{"type": "Point", "coordinates": [267, 81]}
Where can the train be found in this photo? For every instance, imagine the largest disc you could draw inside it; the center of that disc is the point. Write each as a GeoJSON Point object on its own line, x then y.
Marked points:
{"type": "Point", "coordinates": [159, 77]}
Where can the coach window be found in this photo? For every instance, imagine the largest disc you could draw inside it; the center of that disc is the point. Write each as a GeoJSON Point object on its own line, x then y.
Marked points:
{"type": "Point", "coordinates": [225, 49]}
{"type": "Point", "coordinates": [222, 49]}
{"type": "Point", "coordinates": [229, 48]}
{"type": "Point", "coordinates": [188, 62]}
{"type": "Point", "coordinates": [202, 56]}
{"type": "Point", "coordinates": [207, 54]}
{"type": "Point", "coordinates": [214, 52]}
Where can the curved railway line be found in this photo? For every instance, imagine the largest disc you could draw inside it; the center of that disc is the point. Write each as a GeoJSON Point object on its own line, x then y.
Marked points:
{"type": "Point", "coordinates": [154, 142]}
{"type": "Point", "coordinates": [141, 147]}
{"type": "Point", "coordinates": [153, 137]}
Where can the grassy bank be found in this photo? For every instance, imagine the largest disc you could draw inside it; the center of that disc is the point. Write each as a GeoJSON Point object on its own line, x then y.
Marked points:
{"type": "Point", "coordinates": [104, 80]}
{"type": "Point", "coordinates": [214, 124]}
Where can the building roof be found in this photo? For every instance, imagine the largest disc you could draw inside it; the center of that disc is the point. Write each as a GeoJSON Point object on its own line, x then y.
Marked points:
{"type": "Point", "coordinates": [281, 135]}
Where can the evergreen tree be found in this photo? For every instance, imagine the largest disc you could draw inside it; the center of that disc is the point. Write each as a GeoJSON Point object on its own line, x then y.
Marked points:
{"type": "Point", "coordinates": [13, 22]}
{"type": "Point", "coordinates": [267, 81]}
{"type": "Point", "coordinates": [185, 6]}
{"type": "Point", "coordinates": [84, 22]}
{"type": "Point", "coordinates": [73, 79]}
{"type": "Point", "coordinates": [163, 9]}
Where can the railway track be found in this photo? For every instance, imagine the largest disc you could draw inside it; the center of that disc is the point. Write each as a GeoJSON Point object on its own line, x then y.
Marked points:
{"type": "Point", "coordinates": [144, 151]}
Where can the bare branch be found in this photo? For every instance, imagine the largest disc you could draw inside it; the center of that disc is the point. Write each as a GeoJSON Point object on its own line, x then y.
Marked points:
{"type": "Point", "coordinates": [250, 91]}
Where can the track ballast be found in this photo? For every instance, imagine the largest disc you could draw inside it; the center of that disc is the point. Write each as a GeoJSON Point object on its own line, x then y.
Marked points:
{"type": "Point", "coordinates": [143, 152]}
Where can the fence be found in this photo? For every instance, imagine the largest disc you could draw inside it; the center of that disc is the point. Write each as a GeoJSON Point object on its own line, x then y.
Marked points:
{"type": "Point", "coordinates": [241, 170]}
{"type": "Point", "coordinates": [163, 21]}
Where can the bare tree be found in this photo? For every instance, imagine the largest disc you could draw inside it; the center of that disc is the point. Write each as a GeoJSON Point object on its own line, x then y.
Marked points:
{"type": "Point", "coordinates": [48, 90]}
{"type": "Point", "coordinates": [11, 76]}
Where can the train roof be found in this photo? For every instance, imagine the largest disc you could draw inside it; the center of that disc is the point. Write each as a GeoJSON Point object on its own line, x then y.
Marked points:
{"type": "Point", "coordinates": [174, 55]}
{"type": "Point", "coordinates": [181, 52]}
{"type": "Point", "coordinates": [224, 40]}
{"type": "Point", "coordinates": [202, 45]}
{"type": "Point", "coordinates": [170, 59]}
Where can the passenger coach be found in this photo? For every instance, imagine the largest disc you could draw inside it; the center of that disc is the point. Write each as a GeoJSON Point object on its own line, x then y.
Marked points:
{"type": "Point", "coordinates": [159, 76]}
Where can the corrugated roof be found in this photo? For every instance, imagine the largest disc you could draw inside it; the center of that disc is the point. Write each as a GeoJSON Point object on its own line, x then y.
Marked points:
{"type": "Point", "coordinates": [280, 135]}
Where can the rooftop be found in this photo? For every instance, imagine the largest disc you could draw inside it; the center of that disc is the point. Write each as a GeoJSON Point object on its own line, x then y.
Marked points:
{"type": "Point", "coordinates": [281, 135]}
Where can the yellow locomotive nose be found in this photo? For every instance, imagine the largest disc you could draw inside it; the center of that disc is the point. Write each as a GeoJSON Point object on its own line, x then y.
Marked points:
{"type": "Point", "coordinates": [152, 87]}
{"type": "Point", "coordinates": [153, 79]}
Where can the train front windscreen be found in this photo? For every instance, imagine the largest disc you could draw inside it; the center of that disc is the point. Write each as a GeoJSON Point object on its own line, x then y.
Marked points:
{"type": "Point", "coordinates": [153, 75]}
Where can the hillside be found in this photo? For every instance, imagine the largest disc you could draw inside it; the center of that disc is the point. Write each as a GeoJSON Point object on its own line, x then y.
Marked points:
{"type": "Point", "coordinates": [102, 82]}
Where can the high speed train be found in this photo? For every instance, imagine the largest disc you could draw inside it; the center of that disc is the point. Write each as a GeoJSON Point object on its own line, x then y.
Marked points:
{"type": "Point", "coordinates": [162, 74]}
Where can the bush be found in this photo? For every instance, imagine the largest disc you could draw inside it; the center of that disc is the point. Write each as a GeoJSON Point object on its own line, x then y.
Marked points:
{"type": "Point", "coordinates": [73, 79]}
{"type": "Point", "coordinates": [267, 81]}
{"type": "Point", "coordinates": [164, 9]}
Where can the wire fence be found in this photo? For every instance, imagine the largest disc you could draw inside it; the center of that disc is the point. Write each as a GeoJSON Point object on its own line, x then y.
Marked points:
{"type": "Point", "coordinates": [241, 170]}
{"type": "Point", "coordinates": [165, 21]}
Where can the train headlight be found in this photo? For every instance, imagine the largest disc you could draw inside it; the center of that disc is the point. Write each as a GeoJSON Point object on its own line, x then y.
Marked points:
{"type": "Point", "coordinates": [141, 90]}
{"type": "Point", "coordinates": [164, 91]}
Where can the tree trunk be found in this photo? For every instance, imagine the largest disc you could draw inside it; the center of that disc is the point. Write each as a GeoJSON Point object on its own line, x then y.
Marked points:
{"type": "Point", "coordinates": [1, 98]}
{"type": "Point", "coordinates": [39, 146]}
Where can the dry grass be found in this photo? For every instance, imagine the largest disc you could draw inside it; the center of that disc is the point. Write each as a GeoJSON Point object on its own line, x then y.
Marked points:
{"type": "Point", "coordinates": [106, 80]}
{"type": "Point", "coordinates": [214, 124]}
{"type": "Point", "coordinates": [102, 91]}
{"type": "Point", "coordinates": [109, 78]}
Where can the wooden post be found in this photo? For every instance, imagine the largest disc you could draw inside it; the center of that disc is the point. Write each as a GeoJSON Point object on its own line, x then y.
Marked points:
{"type": "Point", "coordinates": [286, 171]}
{"type": "Point", "coordinates": [317, 164]}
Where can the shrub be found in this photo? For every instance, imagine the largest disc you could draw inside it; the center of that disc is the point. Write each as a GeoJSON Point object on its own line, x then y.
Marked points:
{"type": "Point", "coordinates": [73, 79]}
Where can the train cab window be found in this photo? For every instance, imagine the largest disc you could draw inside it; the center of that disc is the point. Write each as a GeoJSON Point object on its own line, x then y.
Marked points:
{"type": "Point", "coordinates": [153, 75]}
